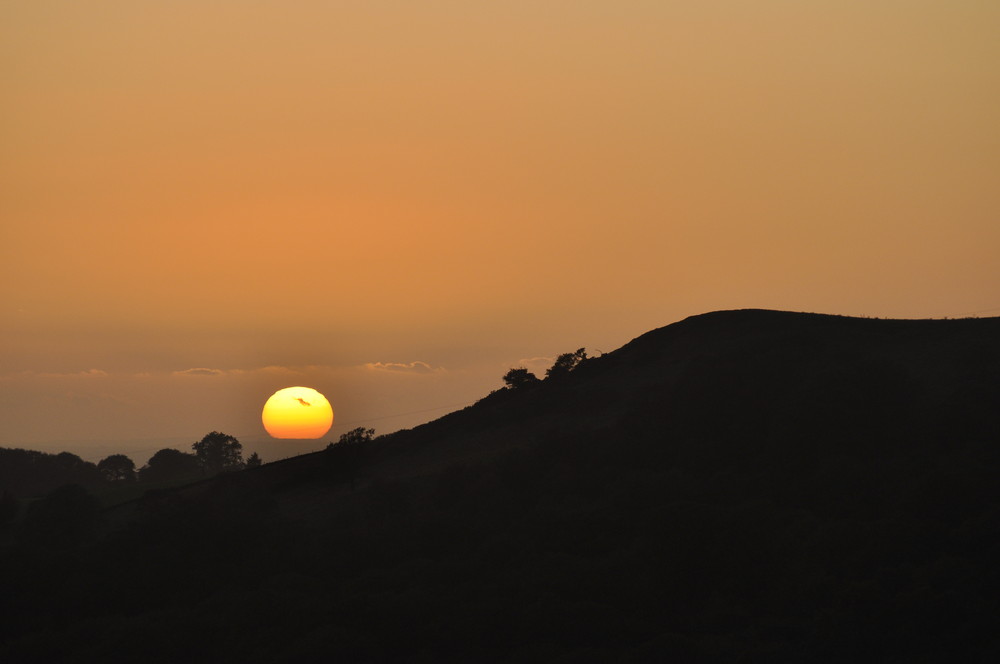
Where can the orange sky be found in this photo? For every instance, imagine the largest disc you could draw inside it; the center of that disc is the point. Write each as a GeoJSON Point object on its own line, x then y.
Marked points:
{"type": "Point", "coordinates": [284, 192]}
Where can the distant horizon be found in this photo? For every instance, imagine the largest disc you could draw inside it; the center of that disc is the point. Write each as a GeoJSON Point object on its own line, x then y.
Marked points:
{"type": "Point", "coordinates": [395, 204]}
{"type": "Point", "coordinates": [268, 448]}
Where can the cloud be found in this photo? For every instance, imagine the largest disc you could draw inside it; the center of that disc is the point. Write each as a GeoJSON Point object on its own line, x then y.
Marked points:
{"type": "Point", "coordinates": [269, 370]}
{"type": "Point", "coordinates": [199, 371]}
{"type": "Point", "coordinates": [89, 373]}
{"type": "Point", "coordinates": [411, 367]}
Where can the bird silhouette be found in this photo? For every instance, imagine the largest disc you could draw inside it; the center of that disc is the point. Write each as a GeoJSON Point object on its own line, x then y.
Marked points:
{"type": "Point", "coordinates": [302, 401]}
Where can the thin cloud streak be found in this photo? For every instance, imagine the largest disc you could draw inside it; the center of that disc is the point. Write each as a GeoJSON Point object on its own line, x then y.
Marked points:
{"type": "Point", "coordinates": [199, 371]}
{"type": "Point", "coordinates": [403, 367]}
{"type": "Point", "coordinates": [29, 375]}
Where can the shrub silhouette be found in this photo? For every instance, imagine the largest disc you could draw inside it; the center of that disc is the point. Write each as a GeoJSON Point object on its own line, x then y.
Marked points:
{"type": "Point", "coordinates": [566, 363]}
{"type": "Point", "coordinates": [358, 436]}
{"type": "Point", "coordinates": [519, 378]}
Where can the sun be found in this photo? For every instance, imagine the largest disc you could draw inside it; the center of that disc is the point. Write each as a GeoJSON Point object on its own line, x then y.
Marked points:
{"type": "Point", "coordinates": [297, 412]}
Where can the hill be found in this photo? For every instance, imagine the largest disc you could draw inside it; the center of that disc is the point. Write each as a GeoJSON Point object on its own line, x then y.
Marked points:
{"type": "Point", "coordinates": [739, 486]}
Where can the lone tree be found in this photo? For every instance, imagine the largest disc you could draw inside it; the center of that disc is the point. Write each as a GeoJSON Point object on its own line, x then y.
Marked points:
{"type": "Point", "coordinates": [117, 468]}
{"type": "Point", "coordinates": [71, 469]}
{"type": "Point", "coordinates": [219, 452]}
{"type": "Point", "coordinates": [519, 378]}
{"type": "Point", "coordinates": [566, 363]}
{"type": "Point", "coordinates": [253, 461]}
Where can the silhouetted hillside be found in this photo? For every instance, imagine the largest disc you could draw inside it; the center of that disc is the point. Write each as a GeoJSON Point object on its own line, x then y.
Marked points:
{"type": "Point", "coordinates": [739, 486]}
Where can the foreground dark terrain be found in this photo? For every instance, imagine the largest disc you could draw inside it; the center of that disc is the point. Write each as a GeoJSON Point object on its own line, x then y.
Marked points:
{"type": "Point", "coordinates": [746, 486]}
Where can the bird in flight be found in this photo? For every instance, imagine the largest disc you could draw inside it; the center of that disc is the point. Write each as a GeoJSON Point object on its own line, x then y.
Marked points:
{"type": "Point", "coordinates": [302, 401]}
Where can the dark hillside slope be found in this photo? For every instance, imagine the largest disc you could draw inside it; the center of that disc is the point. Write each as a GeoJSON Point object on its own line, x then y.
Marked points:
{"type": "Point", "coordinates": [739, 486]}
{"type": "Point", "coordinates": [764, 376]}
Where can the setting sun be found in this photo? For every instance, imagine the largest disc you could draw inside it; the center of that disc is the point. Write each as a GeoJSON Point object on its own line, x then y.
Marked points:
{"type": "Point", "coordinates": [297, 412]}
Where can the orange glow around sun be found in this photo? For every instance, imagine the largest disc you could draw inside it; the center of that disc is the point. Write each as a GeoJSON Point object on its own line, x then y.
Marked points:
{"type": "Point", "coordinates": [297, 412]}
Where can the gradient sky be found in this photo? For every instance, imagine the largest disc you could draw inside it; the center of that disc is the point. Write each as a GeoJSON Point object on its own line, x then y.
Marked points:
{"type": "Point", "coordinates": [394, 202]}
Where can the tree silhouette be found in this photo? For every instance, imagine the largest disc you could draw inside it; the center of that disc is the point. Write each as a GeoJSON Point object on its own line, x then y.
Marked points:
{"type": "Point", "coordinates": [117, 468]}
{"type": "Point", "coordinates": [169, 465]}
{"type": "Point", "coordinates": [74, 470]}
{"type": "Point", "coordinates": [519, 378]}
{"type": "Point", "coordinates": [219, 452]}
{"type": "Point", "coordinates": [253, 461]}
{"type": "Point", "coordinates": [566, 363]}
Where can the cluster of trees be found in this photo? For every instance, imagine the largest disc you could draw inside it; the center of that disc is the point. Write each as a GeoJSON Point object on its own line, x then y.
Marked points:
{"type": "Point", "coordinates": [520, 378]}
{"type": "Point", "coordinates": [28, 473]}
{"type": "Point", "coordinates": [216, 453]}
{"type": "Point", "coordinates": [31, 473]}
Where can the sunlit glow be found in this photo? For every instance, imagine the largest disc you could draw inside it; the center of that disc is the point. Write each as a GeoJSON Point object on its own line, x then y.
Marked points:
{"type": "Point", "coordinates": [297, 412]}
